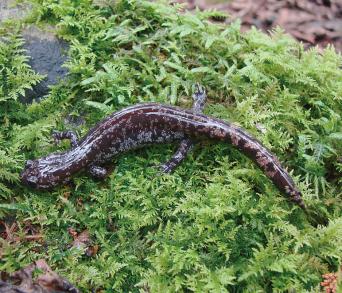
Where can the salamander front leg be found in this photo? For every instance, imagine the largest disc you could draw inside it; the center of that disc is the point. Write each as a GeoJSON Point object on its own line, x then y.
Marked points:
{"type": "Point", "coordinates": [97, 172]}
{"type": "Point", "coordinates": [58, 136]}
{"type": "Point", "coordinates": [186, 144]}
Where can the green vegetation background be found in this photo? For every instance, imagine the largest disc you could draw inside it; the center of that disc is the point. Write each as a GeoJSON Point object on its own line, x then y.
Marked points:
{"type": "Point", "coordinates": [217, 224]}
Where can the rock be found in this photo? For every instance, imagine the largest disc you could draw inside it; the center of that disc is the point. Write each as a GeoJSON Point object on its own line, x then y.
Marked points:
{"type": "Point", "coordinates": [8, 10]}
{"type": "Point", "coordinates": [47, 54]}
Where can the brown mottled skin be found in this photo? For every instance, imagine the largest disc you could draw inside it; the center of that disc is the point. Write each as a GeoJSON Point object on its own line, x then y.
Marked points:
{"type": "Point", "coordinates": [146, 124]}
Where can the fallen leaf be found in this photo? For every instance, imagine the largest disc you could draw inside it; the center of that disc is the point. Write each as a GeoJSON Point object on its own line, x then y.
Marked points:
{"type": "Point", "coordinates": [315, 22]}
{"type": "Point", "coordinates": [83, 241]}
{"type": "Point", "coordinates": [48, 282]}
{"type": "Point", "coordinates": [10, 232]}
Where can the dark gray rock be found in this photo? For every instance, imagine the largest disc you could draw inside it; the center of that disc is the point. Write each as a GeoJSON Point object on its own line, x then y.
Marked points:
{"type": "Point", "coordinates": [47, 55]}
{"type": "Point", "coordinates": [9, 10]}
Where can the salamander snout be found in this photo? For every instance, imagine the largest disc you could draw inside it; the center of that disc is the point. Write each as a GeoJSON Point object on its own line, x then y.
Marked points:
{"type": "Point", "coordinates": [29, 176]}
{"type": "Point", "coordinates": [32, 182]}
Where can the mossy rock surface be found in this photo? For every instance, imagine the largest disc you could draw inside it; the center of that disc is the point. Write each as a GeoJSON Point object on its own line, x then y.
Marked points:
{"type": "Point", "coordinates": [47, 54]}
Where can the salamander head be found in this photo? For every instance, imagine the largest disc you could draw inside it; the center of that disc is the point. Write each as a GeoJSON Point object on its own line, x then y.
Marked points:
{"type": "Point", "coordinates": [29, 176]}
{"type": "Point", "coordinates": [33, 175]}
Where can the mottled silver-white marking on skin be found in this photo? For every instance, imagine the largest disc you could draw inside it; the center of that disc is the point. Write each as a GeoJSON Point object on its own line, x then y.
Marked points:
{"type": "Point", "coordinates": [97, 172]}
{"type": "Point", "coordinates": [146, 124]}
{"type": "Point", "coordinates": [186, 145]}
{"type": "Point", "coordinates": [59, 136]}
{"type": "Point", "coordinates": [235, 139]}
{"type": "Point", "coordinates": [262, 160]}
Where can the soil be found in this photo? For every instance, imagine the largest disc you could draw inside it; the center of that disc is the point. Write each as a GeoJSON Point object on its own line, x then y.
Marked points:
{"type": "Point", "coordinates": [314, 22]}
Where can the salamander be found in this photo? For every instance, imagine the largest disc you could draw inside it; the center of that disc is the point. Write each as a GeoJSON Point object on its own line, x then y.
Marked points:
{"type": "Point", "coordinates": [145, 124]}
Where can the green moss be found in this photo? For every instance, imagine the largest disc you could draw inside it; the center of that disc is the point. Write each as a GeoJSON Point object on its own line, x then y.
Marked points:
{"type": "Point", "coordinates": [217, 224]}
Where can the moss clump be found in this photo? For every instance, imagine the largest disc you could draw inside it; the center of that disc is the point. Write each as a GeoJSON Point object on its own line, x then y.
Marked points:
{"type": "Point", "coordinates": [217, 224]}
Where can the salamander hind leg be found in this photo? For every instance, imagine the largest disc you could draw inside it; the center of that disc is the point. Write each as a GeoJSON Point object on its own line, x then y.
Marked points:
{"type": "Point", "coordinates": [199, 97]}
{"type": "Point", "coordinates": [98, 172]}
{"type": "Point", "coordinates": [58, 136]}
{"type": "Point", "coordinates": [184, 148]}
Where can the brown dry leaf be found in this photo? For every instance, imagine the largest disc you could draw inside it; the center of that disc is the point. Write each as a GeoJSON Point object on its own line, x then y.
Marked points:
{"type": "Point", "coordinates": [72, 232]}
{"type": "Point", "coordinates": [48, 282]}
{"type": "Point", "coordinates": [66, 194]}
{"type": "Point", "coordinates": [286, 16]}
{"type": "Point", "coordinates": [330, 282]}
{"type": "Point", "coordinates": [92, 250]}
{"type": "Point", "coordinates": [10, 232]}
{"type": "Point", "coordinates": [83, 241]}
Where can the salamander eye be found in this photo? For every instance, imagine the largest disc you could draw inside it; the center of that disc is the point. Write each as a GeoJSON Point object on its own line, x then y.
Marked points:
{"type": "Point", "coordinates": [28, 164]}
{"type": "Point", "coordinates": [31, 181]}
{"type": "Point", "coordinates": [32, 184]}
